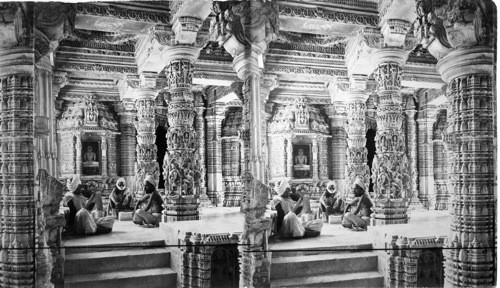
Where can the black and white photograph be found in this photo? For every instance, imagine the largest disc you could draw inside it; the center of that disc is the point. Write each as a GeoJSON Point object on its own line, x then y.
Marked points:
{"type": "Point", "coordinates": [248, 143]}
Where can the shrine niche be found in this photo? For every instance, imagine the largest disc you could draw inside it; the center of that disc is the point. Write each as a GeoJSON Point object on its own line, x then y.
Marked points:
{"type": "Point", "coordinates": [87, 131]}
{"type": "Point", "coordinates": [298, 138]}
{"type": "Point", "coordinates": [301, 161]}
{"type": "Point", "coordinates": [231, 157]}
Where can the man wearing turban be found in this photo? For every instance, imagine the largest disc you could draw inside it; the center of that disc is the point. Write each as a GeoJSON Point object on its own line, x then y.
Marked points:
{"type": "Point", "coordinates": [295, 218]}
{"type": "Point", "coordinates": [120, 198]}
{"type": "Point", "coordinates": [149, 207]}
{"type": "Point", "coordinates": [360, 217]}
{"type": "Point", "coordinates": [80, 220]}
{"type": "Point", "coordinates": [330, 201]}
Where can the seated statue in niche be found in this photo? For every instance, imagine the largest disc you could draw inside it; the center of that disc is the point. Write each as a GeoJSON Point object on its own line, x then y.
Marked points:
{"type": "Point", "coordinates": [301, 159]}
{"type": "Point", "coordinates": [90, 157]}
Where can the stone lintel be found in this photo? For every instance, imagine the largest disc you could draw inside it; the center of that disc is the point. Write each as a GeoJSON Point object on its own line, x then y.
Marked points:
{"type": "Point", "coordinates": [132, 18]}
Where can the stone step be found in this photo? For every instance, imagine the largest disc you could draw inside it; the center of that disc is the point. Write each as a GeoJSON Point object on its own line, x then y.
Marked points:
{"type": "Point", "coordinates": [108, 261]}
{"type": "Point", "coordinates": [101, 247]}
{"type": "Point", "coordinates": [303, 251]}
{"type": "Point", "coordinates": [150, 278]}
{"type": "Point", "coordinates": [310, 265]}
{"type": "Point", "coordinates": [360, 279]}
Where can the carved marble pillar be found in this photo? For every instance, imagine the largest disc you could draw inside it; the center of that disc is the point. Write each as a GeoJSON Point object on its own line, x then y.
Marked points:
{"type": "Point", "coordinates": [201, 146]}
{"type": "Point", "coordinates": [427, 193]}
{"type": "Point", "coordinates": [390, 164]}
{"type": "Point", "coordinates": [17, 182]}
{"type": "Point", "coordinates": [104, 154]}
{"type": "Point", "coordinates": [357, 154]}
{"type": "Point", "coordinates": [268, 83]}
{"type": "Point", "coordinates": [338, 146]}
{"type": "Point", "coordinates": [246, 65]}
{"type": "Point", "coordinates": [440, 175]}
{"type": "Point", "coordinates": [462, 37]}
{"type": "Point", "coordinates": [323, 158]}
{"type": "Point", "coordinates": [215, 189]}
{"type": "Point", "coordinates": [469, 257]}
{"type": "Point", "coordinates": [181, 167]}
{"type": "Point", "coordinates": [411, 153]}
{"type": "Point", "coordinates": [128, 143]}
{"type": "Point", "coordinates": [146, 150]}
{"type": "Point", "coordinates": [260, 23]}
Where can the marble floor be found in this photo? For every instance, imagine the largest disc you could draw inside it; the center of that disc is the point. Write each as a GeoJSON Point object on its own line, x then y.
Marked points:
{"type": "Point", "coordinates": [230, 220]}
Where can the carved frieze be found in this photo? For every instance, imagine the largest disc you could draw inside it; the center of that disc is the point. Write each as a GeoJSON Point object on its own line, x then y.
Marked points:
{"type": "Point", "coordinates": [333, 16]}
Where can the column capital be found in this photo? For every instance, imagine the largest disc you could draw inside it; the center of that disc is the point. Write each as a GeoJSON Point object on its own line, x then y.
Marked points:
{"type": "Point", "coordinates": [443, 26]}
{"type": "Point", "coordinates": [237, 27]}
{"type": "Point", "coordinates": [53, 22]}
{"type": "Point", "coordinates": [131, 89]}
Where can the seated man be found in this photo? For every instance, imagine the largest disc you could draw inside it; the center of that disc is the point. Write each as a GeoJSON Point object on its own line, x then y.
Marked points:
{"type": "Point", "coordinates": [361, 215]}
{"type": "Point", "coordinates": [147, 216]}
{"type": "Point", "coordinates": [330, 201]}
{"type": "Point", "coordinates": [121, 198]}
{"type": "Point", "coordinates": [80, 220]}
{"type": "Point", "coordinates": [294, 214]}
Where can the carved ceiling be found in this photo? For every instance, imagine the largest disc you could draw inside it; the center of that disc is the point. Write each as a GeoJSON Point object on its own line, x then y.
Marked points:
{"type": "Point", "coordinates": [307, 55]}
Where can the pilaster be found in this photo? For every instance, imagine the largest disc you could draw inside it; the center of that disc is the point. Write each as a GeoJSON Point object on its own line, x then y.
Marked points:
{"type": "Point", "coordinates": [214, 116]}
{"type": "Point", "coordinates": [411, 153]}
{"type": "Point", "coordinates": [143, 95]}
{"type": "Point", "coordinates": [128, 142]}
{"type": "Point", "coordinates": [425, 120]}
{"type": "Point", "coordinates": [338, 145]}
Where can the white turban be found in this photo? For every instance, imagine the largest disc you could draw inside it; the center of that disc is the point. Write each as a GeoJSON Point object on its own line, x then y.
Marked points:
{"type": "Point", "coordinates": [360, 183]}
{"type": "Point", "coordinates": [331, 183]}
{"type": "Point", "coordinates": [73, 184]}
{"type": "Point", "coordinates": [121, 180]}
{"type": "Point", "coordinates": [280, 189]}
{"type": "Point", "coordinates": [150, 179]}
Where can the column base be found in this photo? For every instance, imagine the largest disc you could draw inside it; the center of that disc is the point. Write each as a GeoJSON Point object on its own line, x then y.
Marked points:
{"type": "Point", "coordinates": [387, 212]}
{"type": "Point", "coordinates": [181, 208]}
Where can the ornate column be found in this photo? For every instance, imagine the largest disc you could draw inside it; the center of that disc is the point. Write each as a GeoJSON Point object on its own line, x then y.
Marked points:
{"type": "Point", "coordinates": [127, 142]}
{"type": "Point", "coordinates": [323, 158]}
{"type": "Point", "coordinates": [17, 182]}
{"type": "Point", "coordinates": [146, 150]}
{"type": "Point", "coordinates": [338, 144]}
{"type": "Point", "coordinates": [461, 36]}
{"type": "Point", "coordinates": [390, 165]}
{"type": "Point", "coordinates": [427, 195]}
{"type": "Point", "coordinates": [247, 44]}
{"type": "Point", "coordinates": [411, 153]}
{"type": "Point", "coordinates": [215, 190]}
{"type": "Point", "coordinates": [357, 166]}
{"type": "Point", "coordinates": [104, 154]}
{"type": "Point", "coordinates": [440, 173]}
{"type": "Point", "coordinates": [268, 83]}
{"type": "Point", "coordinates": [143, 94]}
{"type": "Point", "coordinates": [201, 146]}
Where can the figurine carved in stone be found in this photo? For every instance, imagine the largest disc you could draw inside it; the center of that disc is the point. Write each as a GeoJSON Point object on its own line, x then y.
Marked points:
{"type": "Point", "coordinates": [90, 155]}
{"type": "Point", "coordinates": [301, 159]}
